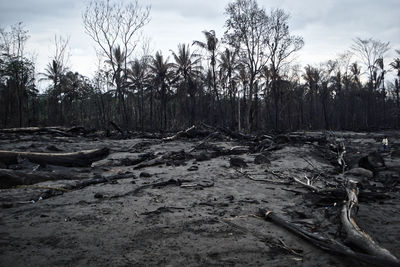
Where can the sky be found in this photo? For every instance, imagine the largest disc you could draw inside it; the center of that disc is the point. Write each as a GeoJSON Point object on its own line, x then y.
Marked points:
{"type": "Point", "coordinates": [328, 27]}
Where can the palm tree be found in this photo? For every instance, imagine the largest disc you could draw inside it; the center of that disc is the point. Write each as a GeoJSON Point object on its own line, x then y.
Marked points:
{"type": "Point", "coordinates": [355, 74]}
{"type": "Point", "coordinates": [118, 77]}
{"type": "Point", "coordinates": [161, 75]}
{"type": "Point", "coordinates": [54, 72]}
{"type": "Point", "coordinates": [211, 45]}
{"type": "Point", "coordinates": [228, 65]}
{"type": "Point", "coordinates": [187, 69]}
{"type": "Point", "coordinates": [138, 76]}
{"type": "Point", "coordinates": [312, 78]}
{"type": "Point", "coordinates": [396, 66]}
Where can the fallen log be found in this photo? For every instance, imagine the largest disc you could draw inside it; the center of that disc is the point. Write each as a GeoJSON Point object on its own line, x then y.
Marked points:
{"type": "Point", "coordinates": [32, 130]}
{"type": "Point", "coordinates": [74, 159]}
{"type": "Point", "coordinates": [10, 178]}
{"type": "Point", "coordinates": [354, 234]}
{"type": "Point", "coordinates": [327, 244]}
{"type": "Point", "coordinates": [180, 134]}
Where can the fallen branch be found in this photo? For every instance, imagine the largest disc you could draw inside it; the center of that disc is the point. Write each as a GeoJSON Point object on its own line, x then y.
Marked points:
{"type": "Point", "coordinates": [307, 185]}
{"type": "Point", "coordinates": [81, 158]}
{"type": "Point", "coordinates": [354, 234]}
{"type": "Point", "coordinates": [179, 134]}
{"type": "Point", "coordinates": [326, 243]}
{"type": "Point", "coordinates": [32, 130]}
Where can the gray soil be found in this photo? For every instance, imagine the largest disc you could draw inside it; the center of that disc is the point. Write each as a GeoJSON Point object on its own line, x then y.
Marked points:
{"type": "Point", "coordinates": [208, 220]}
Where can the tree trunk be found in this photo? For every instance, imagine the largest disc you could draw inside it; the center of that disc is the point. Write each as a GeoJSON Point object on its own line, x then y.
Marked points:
{"type": "Point", "coordinates": [81, 158]}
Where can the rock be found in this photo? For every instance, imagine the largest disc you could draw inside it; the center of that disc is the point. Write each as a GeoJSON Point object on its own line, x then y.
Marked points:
{"type": "Point", "coordinates": [237, 162]}
{"type": "Point", "coordinates": [261, 159]}
{"type": "Point", "coordinates": [193, 168]}
{"type": "Point", "coordinates": [361, 172]}
{"type": "Point", "coordinates": [145, 174]}
{"type": "Point", "coordinates": [373, 161]}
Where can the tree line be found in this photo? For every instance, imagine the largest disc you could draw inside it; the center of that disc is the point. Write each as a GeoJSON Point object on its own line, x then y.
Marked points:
{"type": "Point", "coordinates": [244, 80]}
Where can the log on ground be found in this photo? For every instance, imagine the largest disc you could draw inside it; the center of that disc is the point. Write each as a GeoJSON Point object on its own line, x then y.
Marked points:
{"type": "Point", "coordinates": [82, 158]}
{"type": "Point", "coordinates": [354, 234]}
{"type": "Point", "coordinates": [328, 244]}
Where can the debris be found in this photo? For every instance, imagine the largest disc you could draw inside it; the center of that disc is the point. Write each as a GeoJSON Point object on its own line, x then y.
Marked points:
{"type": "Point", "coordinates": [354, 234]}
{"type": "Point", "coordinates": [327, 244]}
{"type": "Point", "coordinates": [237, 162]}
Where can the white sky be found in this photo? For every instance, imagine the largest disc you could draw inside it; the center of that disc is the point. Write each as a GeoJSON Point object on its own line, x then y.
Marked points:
{"type": "Point", "coordinates": [327, 26]}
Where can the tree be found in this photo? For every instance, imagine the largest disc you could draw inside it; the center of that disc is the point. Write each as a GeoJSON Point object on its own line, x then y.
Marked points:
{"type": "Point", "coordinates": [118, 77]}
{"type": "Point", "coordinates": [211, 45]}
{"type": "Point", "coordinates": [247, 31]}
{"type": "Point", "coordinates": [228, 65]}
{"type": "Point", "coordinates": [312, 78]}
{"type": "Point", "coordinates": [396, 67]}
{"type": "Point", "coordinates": [281, 45]}
{"type": "Point", "coordinates": [187, 68]}
{"type": "Point", "coordinates": [369, 51]}
{"type": "Point", "coordinates": [161, 75]}
{"type": "Point", "coordinates": [17, 80]}
{"type": "Point", "coordinates": [54, 72]}
{"type": "Point", "coordinates": [139, 79]}
{"type": "Point", "coordinates": [115, 25]}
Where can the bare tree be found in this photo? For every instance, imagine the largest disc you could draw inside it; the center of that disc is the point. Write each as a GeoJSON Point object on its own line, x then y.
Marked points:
{"type": "Point", "coordinates": [112, 25]}
{"type": "Point", "coordinates": [13, 42]}
{"type": "Point", "coordinates": [369, 51]}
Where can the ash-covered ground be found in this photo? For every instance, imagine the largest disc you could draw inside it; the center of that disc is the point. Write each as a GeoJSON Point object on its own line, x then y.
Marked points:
{"type": "Point", "coordinates": [193, 201]}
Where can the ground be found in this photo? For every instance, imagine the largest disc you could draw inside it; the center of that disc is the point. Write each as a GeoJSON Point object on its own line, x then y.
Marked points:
{"type": "Point", "coordinates": [206, 219]}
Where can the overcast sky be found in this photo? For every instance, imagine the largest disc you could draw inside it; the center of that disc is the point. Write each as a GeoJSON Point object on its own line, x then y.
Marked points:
{"type": "Point", "coordinates": [327, 26]}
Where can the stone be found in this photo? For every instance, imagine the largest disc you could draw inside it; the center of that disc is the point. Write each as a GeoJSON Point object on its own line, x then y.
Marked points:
{"type": "Point", "coordinates": [237, 162]}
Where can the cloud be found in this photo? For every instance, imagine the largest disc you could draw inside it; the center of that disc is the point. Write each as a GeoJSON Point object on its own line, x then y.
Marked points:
{"type": "Point", "coordinates": [327, 26]}
{"type": "Point", "coordinates": [37, 11]}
